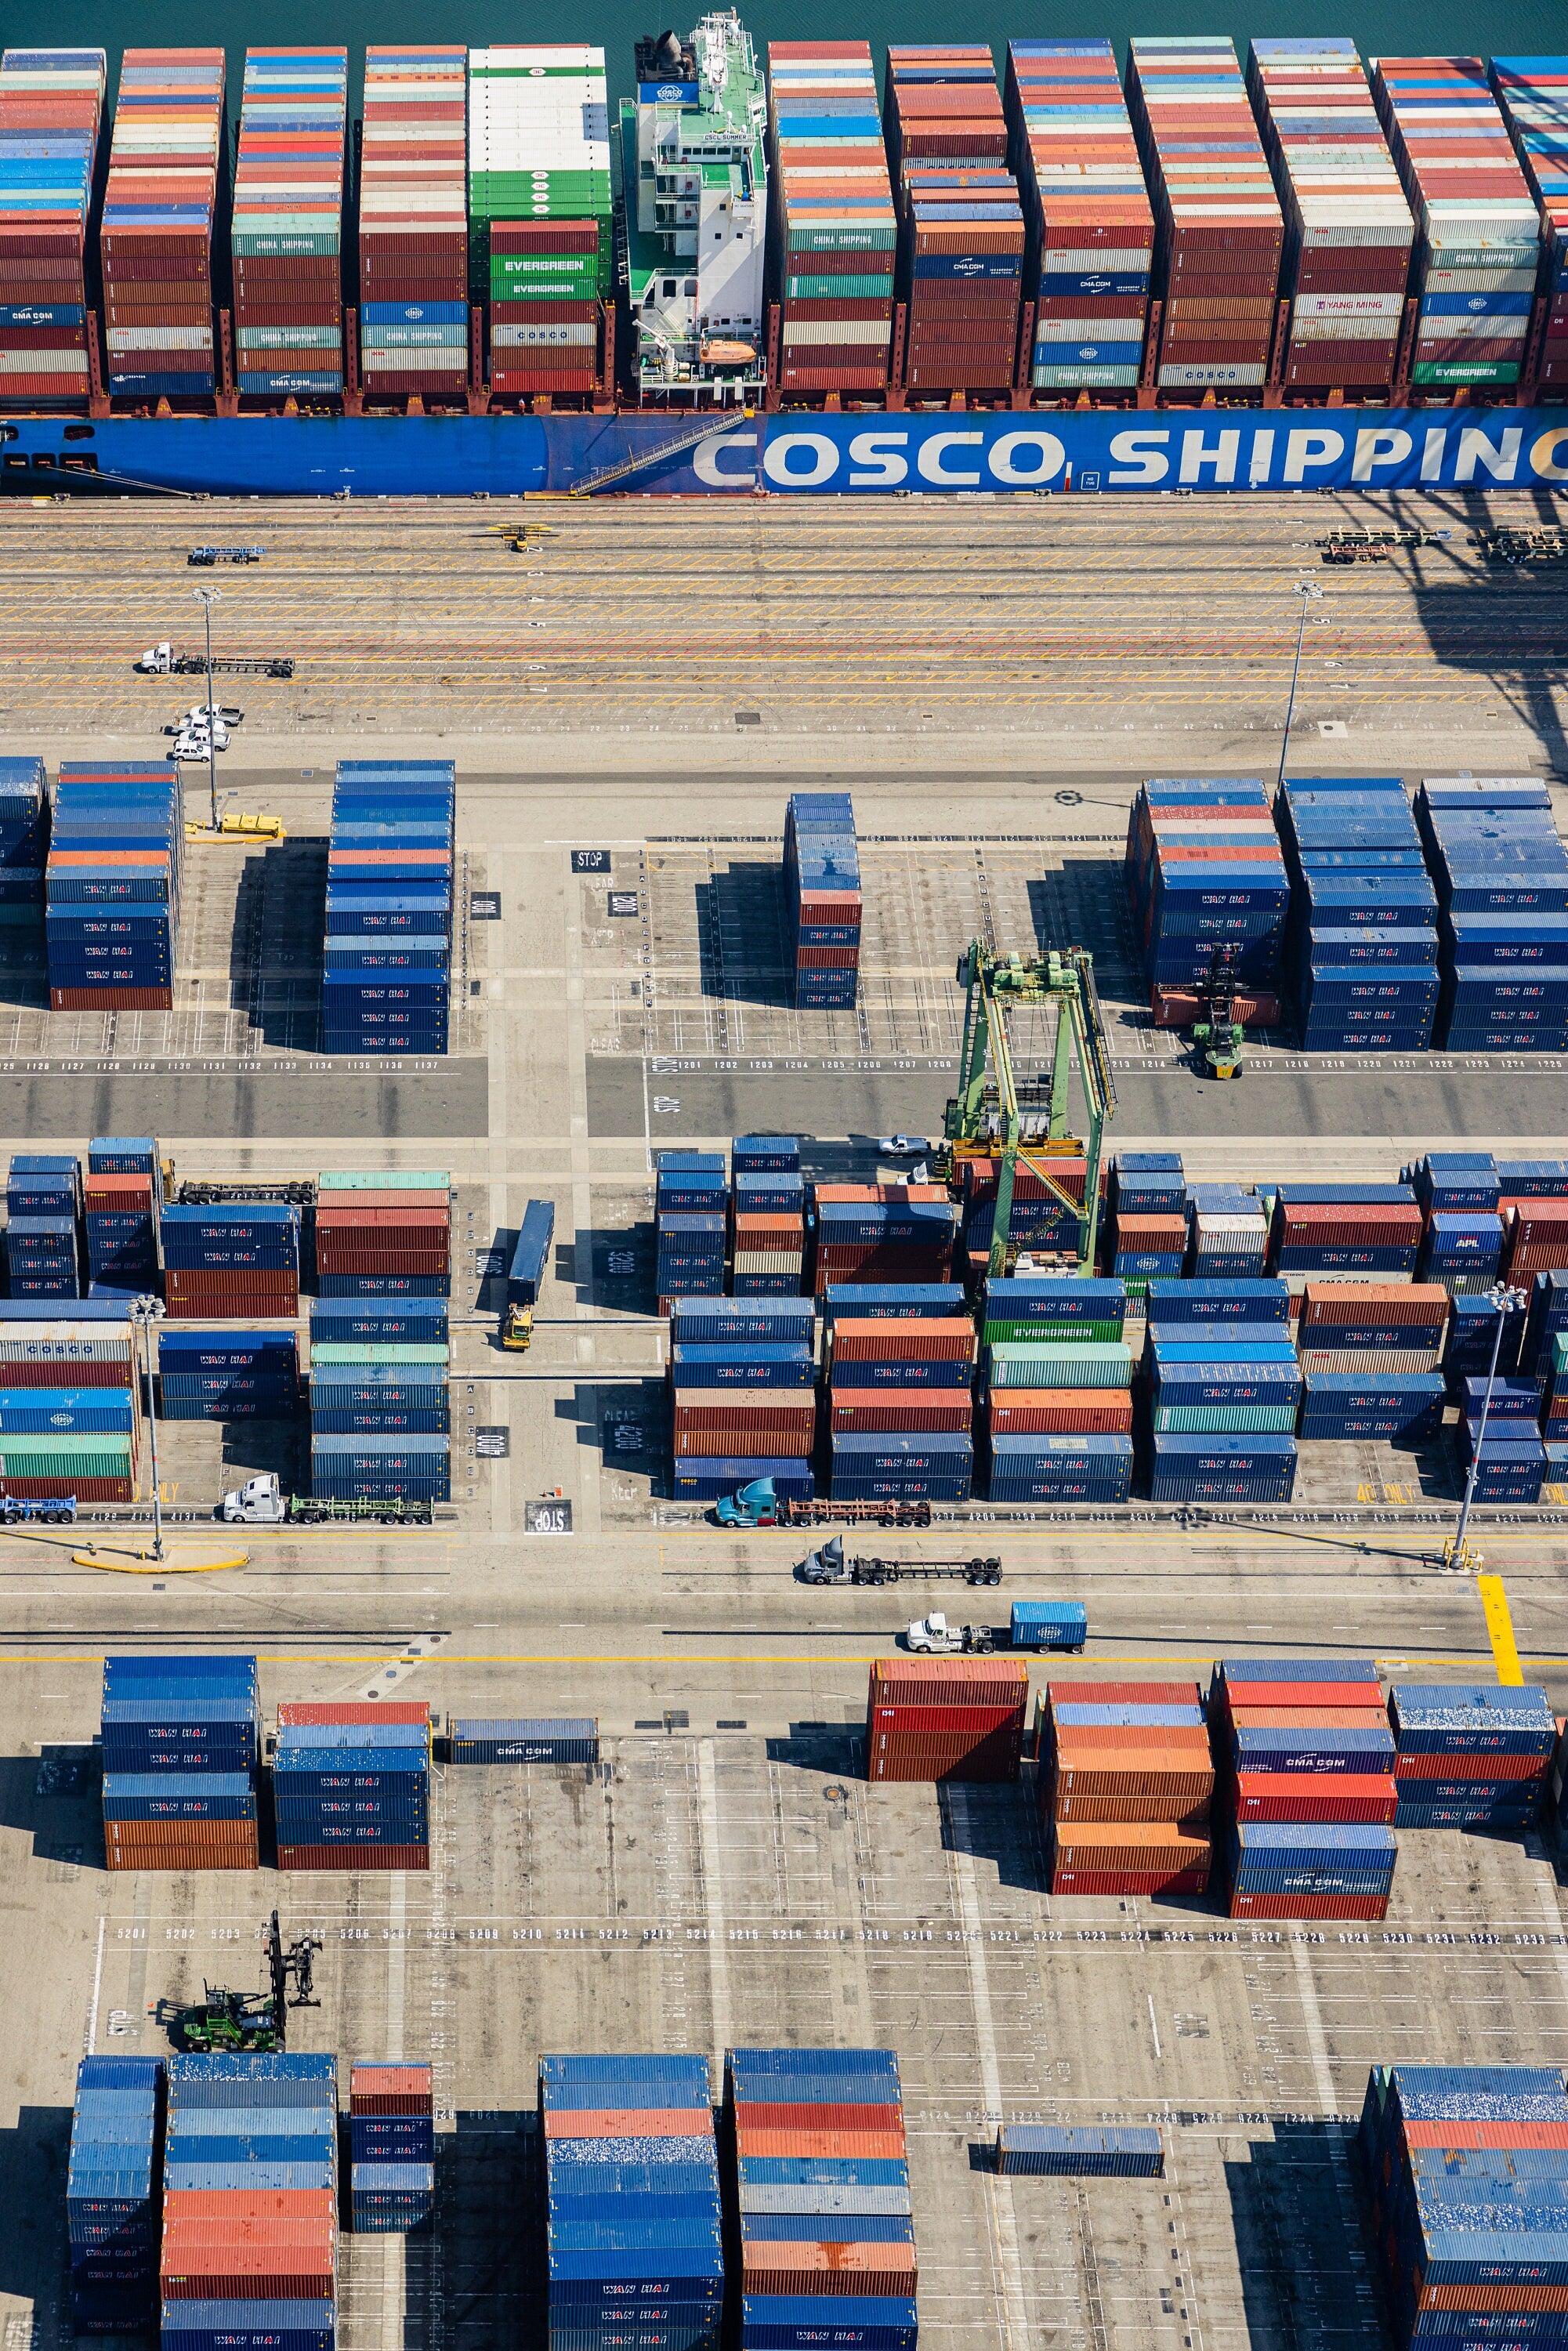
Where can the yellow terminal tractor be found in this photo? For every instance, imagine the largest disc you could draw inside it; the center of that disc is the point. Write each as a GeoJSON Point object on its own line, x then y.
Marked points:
{"type": "Point", "coordinates": [526, 1274]}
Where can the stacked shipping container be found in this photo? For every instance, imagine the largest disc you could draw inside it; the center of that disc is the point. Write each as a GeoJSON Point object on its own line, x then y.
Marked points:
{"type": "Point", "coordinates": [1204, 873]}
{"type": "Point", "coordinates": [742, 1397]}
{"type": "Point", "coordinates": [1220, 231]}
{"type": "Point", "coordinates": [69, 1404]}
{"type": "Point", "coordinates": [823, 899]}
{"type": "Point", "coordinates": [962, 238]}
{"type": "Point", "coordinates": [113, 885]}
{"type": "Point", "coordinates": [113, 2195]}
{"type": "Point", "coordinates": [1369, 1354]}
{"type": "Point", "coordinates": [1468, 1757]}
{"type": "Point", "coordinates": [228, 1374]}
{"type": "Point", "coordinates": [540, 211]}
{"type": "Point", "coordinates": [1306, 1762]}
{"type": "Point", "coordinates": [1501, 876]}
{"type": "Point", "coordinates": [809, 2259]}
{"type": "Point", "coordinates": [391, 2147]}
{"type": "Point", "coordinates": [387, 977]}
{"type": "Point", "coordinates": [351, 1784]}
{"type": "Point", "coordinates": [51, 103]}
{"type": "Point", "coordinates": [167, 175]}
{"type": "Point", "coordinates": [1038, 1220]}
{"type": "Point", "coordinates": [232, 1257]}
{"type": "Point", "coordinates": [1148, 1217]}
{"type": "Point", "coordinates": [901, 1416]}
{"type": "Point", "coordinates": [287, 236]}
{"type": "Point", "coordinates": [250, 2201]}
{"type": "Point", "coordinates": [404, 1253]}
{"type": "Point", "coordinates": [946, 1718]}
{"type": "Point", "coordinates": [1348, 229]}
{"type": "Point", "coordinates": [1058, 1407]}
{"type": "Point", "coordinates": [1224, 1396]}
{"type": "Point", "coordinates": [1533, 95]}
{"type": "Point", "coordinates": [691, 1205]}
{"type": "Point", "coordinates": [24, 819]}
{"type": "Point", "coordinates": [1350, 1232]}
{"type": "Point", "coordinates": [1091, 246]}
{"type": "Point", "coordinates": [1480, 233]}
{"type": "Point", "coordinates": [43, 1211]}
{"type": "Point", "coordinates": [181, 1751]}
{"type": "Point", "coordinates": [1125, 1787]}
{"type": "Point", "coordinates": [567, 1739]}
{"type": "Point", "coordinates": [1371, 985]}
{"type": "Point", "coordinates": [121, 1205]}
{"type": "Point", "coordinates": [884, 1233]}
{"type": "Point", "coordinates": [834, 230]}
{"type": "Point", "coordinates": [767, 1216]}
{"type": "Point", "coordinates": [414, 225]}
{"type": "Point", "coordinates": [634, 2225]}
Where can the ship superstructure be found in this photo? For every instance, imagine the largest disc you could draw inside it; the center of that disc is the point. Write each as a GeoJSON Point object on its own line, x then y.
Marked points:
{"type": "Point", "coordinates": [695, 213]}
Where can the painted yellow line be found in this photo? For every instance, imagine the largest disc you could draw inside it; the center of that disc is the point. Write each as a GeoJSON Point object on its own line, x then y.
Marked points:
{"type": "Point", "coordinates": [134, 1566]}
{"type": "Point", "coordinates": [1407, 1661]}
{"type": "Point", "coordinates": [1499, 1626]}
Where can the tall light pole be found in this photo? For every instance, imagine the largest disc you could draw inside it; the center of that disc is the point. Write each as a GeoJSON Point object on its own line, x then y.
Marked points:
{"type": "Point", "coordinates": [1456, 1551]}
{"type": "Point", "coordinates": [206, 597]}
{"type": "Point", "coordinates": [145, 1310]}
{"type": "Point", "coordinates": [1309, 593]}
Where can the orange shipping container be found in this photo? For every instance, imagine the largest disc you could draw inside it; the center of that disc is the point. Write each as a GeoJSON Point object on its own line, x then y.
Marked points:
{"type": "Point", "coordinates": [828, 2269]}
{"type": "Point", "coordinates": [874, 2146]}
{"type": "Point", "coordinates": [1128, 1844]}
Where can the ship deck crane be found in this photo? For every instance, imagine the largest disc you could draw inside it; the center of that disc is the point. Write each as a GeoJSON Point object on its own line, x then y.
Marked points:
{"type": "Point", "coordinates": [984, 1118]}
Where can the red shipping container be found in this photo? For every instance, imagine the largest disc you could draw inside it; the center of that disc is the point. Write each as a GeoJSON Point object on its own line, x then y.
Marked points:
{"type": "Point", "coordinates": [1472, 1766]}
{"type": "Point", "coordinates": [606, 2122]}
{"type": "Point", "coordinates": [73, 1373]}
{"type": "Point", "coordinates": [1150, 1773]}
{"type": "Point", "coordinates": [1087, 1411]}
{"type": "Point", "coordinates": [307, 1713]}
{"type": "Point", "coordinates": [55, 1489]}
{"type": "Point", "coordinates": [1185, 1813]}
{"type": "Point", "coordinates": [1150, 1882]}
{"type": "Point", "coordinates": [353, 1856]}
{"type": "Point", "coordinates": [1297, 1717]}
{"type": "Point", "coordinates": [249, 2204]}
{"type": "Point", "coordinates": [111, 1000]}
{"type": "Point", "coordinates": [1178, 1007]}
{"type": "Point", "coordinates": [751, 2114]}
{"type": "Point", "coordinates": [377, 1215]}
{"type": "Point", "coordinates": [1105, 1741]}
{"type": "Point", "coordinates": [941, 1721]}
{"type": "Point", "coordinates": [1485, 2132]}
{"type": "Point", "coordinates": [1308, 1906]}
{"type": "Point", "coordinates": [947, 1681]}
{"type": "Point", "coordinates": [177, 1856]}
{"type": "Point", "coordinates": [1124, 1693]}
{"type": "Point", "coordinates": [1315, 1796]}
{"type": "Point", "coordinates": [828, 2269]}
{"type": "Point", "coordinates": [902, 1411]}
{"type": "Point", "coordinates": [947, 1339]}
{"type": "Point", "coordinates": [887, 2147]}
{"type": "Point", "coordinates": [1364, 1697]}
{"type": "Point", "coordinates": [1380, 1301]}
{"type": "Point", "coordinates": [345, 1260]}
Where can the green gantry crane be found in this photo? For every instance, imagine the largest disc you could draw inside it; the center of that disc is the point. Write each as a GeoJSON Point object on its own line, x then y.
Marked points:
{"type": "Point", "coordinates": [984, 1120]}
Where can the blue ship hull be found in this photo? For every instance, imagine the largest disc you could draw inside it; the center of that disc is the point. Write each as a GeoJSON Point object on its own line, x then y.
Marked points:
{"type": "Point", "coordinates": [1119, 451]}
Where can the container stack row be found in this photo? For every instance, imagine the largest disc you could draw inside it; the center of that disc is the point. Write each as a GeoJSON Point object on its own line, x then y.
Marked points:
{"type": "Point", "coordinates": [1037, 1221]}
{"type": "Point", "coordinates": [1348, 228]}
{"type": "Point", "coordinates": [559, 1740]}
{"type": "Point", "coordinates": [237, 1258]}
{"type": "Point", "coordinates": [113, 2195]}
{"type": "Point", "coordinates": [1306, 1760]}
{"type": "Point", "coordinates": [250, 2200]}
{"type": "Point", "coordinates": [398, 1388]}
{"type": "Point", "coordinates": [930, 1718]}
{"type": "Point", "coordinates": [834, 232]}
{"type": "Point", "coordinates": [961, 240]}
{"type": "Point", "coordinates": [1480, 230]}
{"type": "Point", "coordinates": [541, 250]}
{"type": "Point", "coordinates": [1205, 875]}
{"type": "Point", "coordinates": [1370, 1352]}
{"type": "Point", "coordinates": [386, 982]}
{"type": "Point", "coordinates": [1148, 1219]}
{"type": "Point", "coordinates": [1365, 971]}
{"type": "Point", "coordinates": [1220, 230]}
{"type": "Point", "coordinates": [691, 1218]}
{"type": "Point", "coordinates": [1502, 878]}
{"type": "Point", "coordinates": [1223, 1397]}
{"type": "Point", "coordinates": [767, 1216]}
{"type": "Point", "coordinates": [24, 803]}
{"type": "Point", "coordinates": [743, 1395]}
{"type": "Point", "coordinates": [181, 1749]}
{"type": "Point", "coordinates": [51, 112]}
{"type": "Point", "coordinates": [288, 235]}
{"type": "Point", "coordinates": [414, 222]}
{"type": "Point", "coordinates": [384, 1233]}
{"type": "Point", "coordinates": [1461, 1242]}
{"type": "Point", "coordinates": [112, 885]}
{"type": "Point", "coordinates": [843, 2260]}
{"type": "Point", "coordinates": [634, 2234]}
{"type": "Point", "coordinates": [1345, 1232]}
{"type": "Point", "coordinates": [392, 2148]}
{"type": "Point", "coordinates": [1228, 1233]}
{"type": "Point", "coordinates": [1466, 2168]}
{"type": "Point", "coordinates": [351, 1784]}
{"type": "Point", "coordinates": [897, 1232]}
{"type": "Point", "coordinates": [42, 1212]}
{"type": "Point", "coordinates": [822, 901]}
{"type": "Point", "coordinates": [167, 179]}
{"type": "Point", "coordinates": [1127, 1784]}
{"type": "Point", "coordinates": [1091, 247]}
{"type": "Point", "coordinates": [1470, 1756]}
{"type": "Point", "coordinates": [228, 1374]}
{"type": "Point", "coordinates": [70, 1407]}
{"type": "Point", "coordinates": [1533, 95]}
{"type": "Point", "coordinates": [1057, 1390]}
{"type": "Point", "coordinates": [900, 1403]}
{"type": "Point", "coordinates": [120, 1200]}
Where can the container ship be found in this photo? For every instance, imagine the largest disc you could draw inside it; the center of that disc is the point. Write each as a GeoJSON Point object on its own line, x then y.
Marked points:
{"type": "Point", "coordinates": [769, 275]}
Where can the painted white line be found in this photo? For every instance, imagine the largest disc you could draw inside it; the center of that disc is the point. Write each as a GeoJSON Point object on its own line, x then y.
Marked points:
{"type": "Point", "coordinates": [1307, 1992]}
{"type": "Point", "coordinates": [1155, 2029]}
{"type": "Point", "coordinates": [397, 1966]}
{"type": "Point", "coordinates": [92, 2047]}
{"type": "Point", "coordinates": [999, 2199]}
{"type": "Point", "coordinates": [713, 1899]}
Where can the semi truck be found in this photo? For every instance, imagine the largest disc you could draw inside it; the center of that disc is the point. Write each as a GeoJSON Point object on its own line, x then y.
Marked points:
{"type": "Point", "coordinates": [525, 1273]}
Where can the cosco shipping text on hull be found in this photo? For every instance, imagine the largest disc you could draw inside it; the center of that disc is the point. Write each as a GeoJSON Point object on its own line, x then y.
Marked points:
{"type": "Point", "coordinates": [1228, 451]}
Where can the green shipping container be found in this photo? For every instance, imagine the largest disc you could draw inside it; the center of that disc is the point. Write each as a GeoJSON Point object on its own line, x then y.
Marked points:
{"type": "Point", "coordinates": [66, 1456]}
{"type": "Point", "coordinates": [839, 289]}
{"type": "Point", "coordinates": [1465, 371]}
{"type": "Point", "coordinates": [1017, 1335]}
{"type": "Point", "coordinates": [1231, 1419]}
{"type": "Point", "coordinates": [1051, 1365]}
{"type": "Point", "coordinates": [276, 244]}
{"type": "Point", "coordinates": [521, 268]}
{"type": "Point", "coordinates": [384, 1179]}
{"type": "Point", "coordinates": [867, 239]}
{"type": "Point", "coordinates": [383, 1351]}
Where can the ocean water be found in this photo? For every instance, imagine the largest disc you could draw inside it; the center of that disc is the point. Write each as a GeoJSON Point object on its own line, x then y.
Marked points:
{"type": "Point", "coordinates": [1522, 27]}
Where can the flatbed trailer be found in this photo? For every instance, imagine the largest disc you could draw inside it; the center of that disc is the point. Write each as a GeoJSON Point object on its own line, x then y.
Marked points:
{"type": "Point", "coordinates": [829, 1565]}
{"type": "Point", "coordinates": [854, 1514]}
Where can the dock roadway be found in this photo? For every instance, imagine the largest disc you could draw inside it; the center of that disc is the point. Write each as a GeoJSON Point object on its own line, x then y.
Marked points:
{"type": "Point", "coordinates": [1067, 616]}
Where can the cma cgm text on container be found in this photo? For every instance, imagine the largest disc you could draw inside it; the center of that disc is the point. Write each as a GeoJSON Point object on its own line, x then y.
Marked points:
{"type": "Point", "coordinates": [1228, 450]}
